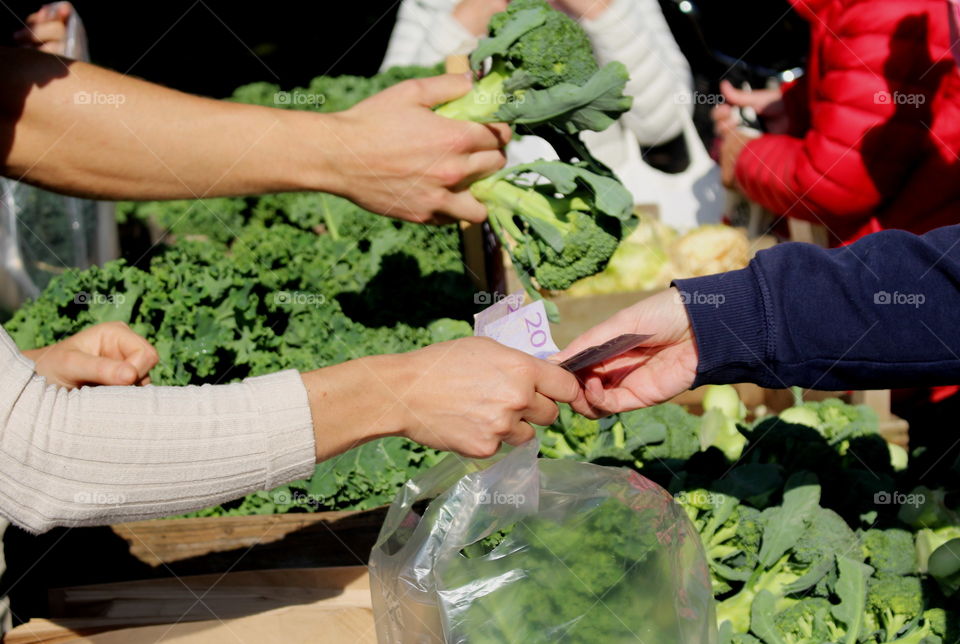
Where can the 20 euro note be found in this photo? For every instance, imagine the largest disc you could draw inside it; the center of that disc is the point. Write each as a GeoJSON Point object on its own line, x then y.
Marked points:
{"type": "Point", "coordinates": [525, 328]}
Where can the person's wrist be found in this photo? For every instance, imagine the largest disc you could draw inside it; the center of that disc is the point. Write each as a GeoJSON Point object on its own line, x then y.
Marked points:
{"type": "Point", "coordinates": [353, 403]}
{"type": "Point", "coordinates": [310, 146]}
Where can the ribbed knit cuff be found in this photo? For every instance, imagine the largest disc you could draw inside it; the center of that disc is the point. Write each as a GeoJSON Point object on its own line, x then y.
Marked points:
{"type": "Point", "coordinates": [728, 315]}
{"type": "Point", "coordinates": [290, 449]}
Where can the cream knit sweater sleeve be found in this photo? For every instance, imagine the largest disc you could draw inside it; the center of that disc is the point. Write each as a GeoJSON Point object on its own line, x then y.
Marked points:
{"type": "Point", "coordinates": [631, 31]}
{"type": "Point", "coordinates": [100, 455]}
{"type": "Point", "coordinates": [661, 84]}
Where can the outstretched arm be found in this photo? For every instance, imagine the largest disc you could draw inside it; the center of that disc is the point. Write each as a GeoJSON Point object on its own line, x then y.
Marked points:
{"type": "Point", "coordinates": [880, 313]}
{"type": "Point", "coordinates": [87, 131]}
{"type": "Point", "coordinates": [108, 454]}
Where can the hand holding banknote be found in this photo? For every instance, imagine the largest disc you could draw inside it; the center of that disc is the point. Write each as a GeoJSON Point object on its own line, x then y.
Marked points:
{"type": "Point", "coordinates": [663, 366]}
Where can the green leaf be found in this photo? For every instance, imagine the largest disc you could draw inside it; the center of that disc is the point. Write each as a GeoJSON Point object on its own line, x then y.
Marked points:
{"type": "Point", "coordinates": [595, 106]}
{"type": "Point", "coordinates": [787, 521]}
{"type": "Point", "coordinates": [761, 618]}
{"type": "Point", "coordinates": [521, 23]}
{"type": "Point", "coordinates": [852, 591]}
{"type": "Point", "coordinates": [611, 197]}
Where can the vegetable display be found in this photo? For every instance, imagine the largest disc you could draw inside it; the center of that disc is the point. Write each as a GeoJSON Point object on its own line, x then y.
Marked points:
{"type": "Point", "coordinates": [804, 542]}
{"type": "Point", "coordinates": [816, 530]}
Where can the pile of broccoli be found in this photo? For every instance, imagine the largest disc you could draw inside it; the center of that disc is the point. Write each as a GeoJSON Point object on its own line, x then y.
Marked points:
{"type": "Point", "coordinates": [799, 549]}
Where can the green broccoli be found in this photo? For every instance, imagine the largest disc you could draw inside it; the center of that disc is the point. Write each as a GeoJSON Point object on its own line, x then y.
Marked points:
{"type": "Point", "coordinates": [800, 544]}
{"type": "Point", "coordinates": [730, 533]}
{"type": "Point", "coordinates": [809, 621]}
{"type": "Point", "coordinates": [893, 601]}
{"type": "Point", "coordinates": [556, 239]}
{"type": "Point", "coordinates": [933, 627]}
{"type": "Point", "coordinates": [889, 551]}
{"type": "Point", "coordinates": [542, 72]}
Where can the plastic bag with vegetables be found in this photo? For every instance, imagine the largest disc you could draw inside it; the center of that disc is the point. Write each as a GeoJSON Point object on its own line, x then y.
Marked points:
{"type": "Point", "coordinates": [521, 549]}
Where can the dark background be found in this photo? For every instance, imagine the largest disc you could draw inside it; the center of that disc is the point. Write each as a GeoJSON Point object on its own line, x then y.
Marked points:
{"type": "Point", "coordinates": [210, 47]}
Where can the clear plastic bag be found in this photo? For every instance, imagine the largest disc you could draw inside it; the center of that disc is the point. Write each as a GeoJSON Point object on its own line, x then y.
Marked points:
{"type": "Point", "coordinates": [43, 234]}
{"type": "Point", "coordinates": [591, 555]}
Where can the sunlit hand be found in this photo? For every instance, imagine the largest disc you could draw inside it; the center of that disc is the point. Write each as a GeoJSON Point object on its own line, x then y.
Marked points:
{"type": "Point", "coordinates": [663, 367]}
{"type": "Point", "coordinates": [46, 29]}
{"type": "Point", "coordinates": [767, 103]}
{"type": "Point", "coordinates": [404, 161]}
{"type": "Point", "coordinates": [104, 354]}
{"type": "Point", "coordinates": [475, 15]}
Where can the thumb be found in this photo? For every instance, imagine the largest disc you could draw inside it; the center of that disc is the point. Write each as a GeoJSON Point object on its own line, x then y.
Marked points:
{"type": "Point", "coordinates": [441, 89]}
{"type": "Point", "coordinates": [735, 96]}
{"type": "Point", "coordinates": [83, 368]}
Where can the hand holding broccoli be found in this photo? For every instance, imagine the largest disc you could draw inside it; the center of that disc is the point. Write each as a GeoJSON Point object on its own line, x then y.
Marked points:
{"type": "Point", "coordinates": [402, 160]}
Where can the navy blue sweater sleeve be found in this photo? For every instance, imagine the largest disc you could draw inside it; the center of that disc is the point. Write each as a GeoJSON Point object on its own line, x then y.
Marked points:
{"type": "Point", "coordinates": [881, 313]}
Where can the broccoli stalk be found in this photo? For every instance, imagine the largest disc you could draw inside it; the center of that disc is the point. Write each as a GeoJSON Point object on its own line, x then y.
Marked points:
{"type": "Point", "coordinates": [893, 601]}
{"type": "Point", "coordinates": [775, 580]}
{"type": "Point", "coordinates": [557, 240]}
{"type": "Point", "coordinates": [481, 103]}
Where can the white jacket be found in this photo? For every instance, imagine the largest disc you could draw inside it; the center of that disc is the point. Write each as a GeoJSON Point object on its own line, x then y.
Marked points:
{"type": "Point", "coordinates": [631, 31]}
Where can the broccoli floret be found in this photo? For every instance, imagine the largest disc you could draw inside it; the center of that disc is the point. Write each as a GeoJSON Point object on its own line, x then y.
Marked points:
{"type": "Point", "coordinates": [809, 621]}
{"type": "Point", "coordinates": [559, 222]}
{"type": "Point", "coordinates": [893, 601]}
{"type": "Point", "coordinates": [936, 625]}
{"type": "Point", "coordinates": [730, 535]}
{"type": "Point", "coordinates": [587, 249]}
{"type": "Point", "coordinates": [542, 72]}
{"type": "Point", "coordinates": [810, 561]}
{"type": "Point", "coordinates": [889, 551]}
{"type": "Point", "coordinates": [556, 51]}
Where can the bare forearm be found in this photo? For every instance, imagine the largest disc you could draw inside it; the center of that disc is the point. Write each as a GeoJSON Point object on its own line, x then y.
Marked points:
{"type": "Point", "coordinates": [84, 130]}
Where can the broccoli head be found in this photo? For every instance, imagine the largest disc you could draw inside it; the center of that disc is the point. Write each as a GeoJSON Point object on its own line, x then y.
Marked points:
{"type": "Point", "coordinates": [542, 71]}
{"type": "Point", "coordinates": [809, 621]}
{"type": "Point", "coordinates": [559, 222]}
{"type": "Point", "coordinates": [556, 51]}
{"type": "Point", "coordinates": [889, 551]}
{"type": "Point", "coordinates": [893, 601]}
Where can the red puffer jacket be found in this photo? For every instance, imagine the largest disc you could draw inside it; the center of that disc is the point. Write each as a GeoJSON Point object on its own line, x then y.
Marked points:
{"type": "Point", "coordinates": [875, 128]}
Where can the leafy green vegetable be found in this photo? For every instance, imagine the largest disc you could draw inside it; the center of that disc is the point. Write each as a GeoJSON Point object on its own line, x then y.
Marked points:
{"type": "Point", "coordinates": [575, 586]}
{"type": "Point", "coordinates": [559, 223]}
{"type": "Point", "coordinates": [542, 72]}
